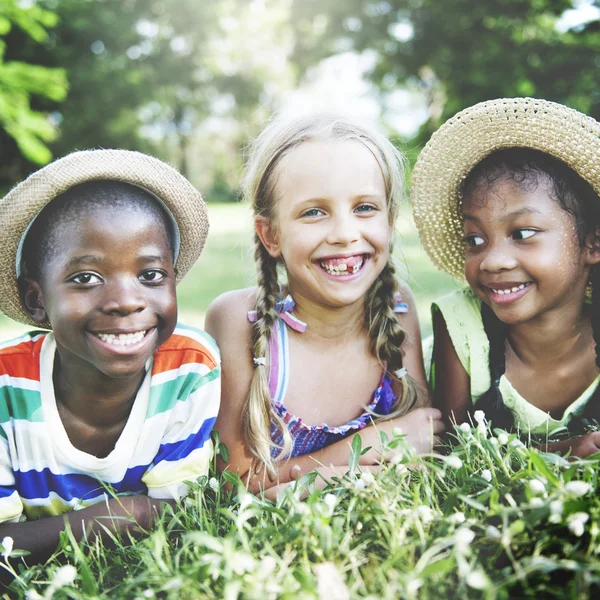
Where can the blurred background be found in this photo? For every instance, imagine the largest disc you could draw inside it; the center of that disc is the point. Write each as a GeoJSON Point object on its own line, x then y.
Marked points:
{"type": "Point", "coordinates": [193, 81]}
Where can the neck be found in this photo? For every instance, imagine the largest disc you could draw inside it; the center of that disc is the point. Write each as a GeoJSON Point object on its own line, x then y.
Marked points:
{"type": "Point", "coordinates": [330, 323]}
{"type": "Point", "coordinates": [550, 338]}
{"type": "Point", "coordinates": [100, 400]}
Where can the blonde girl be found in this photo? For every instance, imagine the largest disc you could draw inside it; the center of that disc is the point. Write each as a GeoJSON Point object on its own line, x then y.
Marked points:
{"type": "Point", "coordinates": [334, 347]}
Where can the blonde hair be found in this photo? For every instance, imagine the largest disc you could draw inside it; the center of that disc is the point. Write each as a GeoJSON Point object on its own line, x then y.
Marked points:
{"type": "Point", "coordinates": [277, 140]}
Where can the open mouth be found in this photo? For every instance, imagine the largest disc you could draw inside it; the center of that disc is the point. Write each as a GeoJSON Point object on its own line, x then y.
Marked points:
{"type": "Point", "coordinates": [511, 290]}
{"type": "Point", "coordinates": [347, 265]}
{"type": "Point", "coordinates": [122, 339]}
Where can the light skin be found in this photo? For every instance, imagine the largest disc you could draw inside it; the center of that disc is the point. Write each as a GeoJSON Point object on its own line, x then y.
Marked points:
{"type": "Point", "coordinates": [331, 209]}
{"type": "Point", "coordinates": [524, 259]}
{"type": "Point", "coordinates": [110, 273]}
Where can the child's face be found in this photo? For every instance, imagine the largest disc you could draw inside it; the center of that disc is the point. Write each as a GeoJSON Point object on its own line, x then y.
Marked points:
{"type": "Point", "coordinates": [331, 225]}
{"type": "Point", "coordinates": [523, 256]}
{"type": "Point", "coordinates": [108, 290]}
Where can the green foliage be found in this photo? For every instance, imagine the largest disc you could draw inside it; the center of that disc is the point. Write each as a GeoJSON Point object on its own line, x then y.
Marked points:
{"type": "Point", "coordinates": [20, 81]}
{"type": "Point", "coordinates": [459, 52]}
{"type": "Point", "coordinates": [491, 519]}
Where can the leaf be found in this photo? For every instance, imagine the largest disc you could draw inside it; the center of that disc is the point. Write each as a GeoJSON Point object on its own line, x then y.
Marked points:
{"type": "Point", "coordinates": [355, 453]}
{"type": "Point", "coordinates": [542, 467]}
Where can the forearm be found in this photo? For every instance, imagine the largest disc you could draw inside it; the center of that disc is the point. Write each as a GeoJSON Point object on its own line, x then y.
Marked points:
{"type": "Point", "coordinates": [124, 515]}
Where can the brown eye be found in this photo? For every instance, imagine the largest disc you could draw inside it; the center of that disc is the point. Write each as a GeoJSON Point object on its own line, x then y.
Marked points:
{"type": "Point", "coordinates": [524, 234]}
{"type": "Point", "coordinates": [152, 276]}
{"type": "Point", "coordinates": [86, 278]}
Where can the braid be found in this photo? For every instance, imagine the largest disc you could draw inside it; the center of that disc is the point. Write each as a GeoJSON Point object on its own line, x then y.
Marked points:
{"type": "Point", "coordinates": [387, 336]}
{"type": "Point", "coordinates": [258, 415]}
{"type": "Point", "coordinates": [491, 403]}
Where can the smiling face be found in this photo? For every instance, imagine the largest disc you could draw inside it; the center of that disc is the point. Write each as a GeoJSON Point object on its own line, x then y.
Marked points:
{"type": "Point", "coordinates": [331, 226]}
{"type": "Point", "coordinates": [523, 254]}
{"type": "Point", "coordinates": [108, 290]}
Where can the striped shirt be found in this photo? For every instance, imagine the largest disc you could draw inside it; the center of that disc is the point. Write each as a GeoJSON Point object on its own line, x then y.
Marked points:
{"type": "Point", "coordinates": [165, 442]}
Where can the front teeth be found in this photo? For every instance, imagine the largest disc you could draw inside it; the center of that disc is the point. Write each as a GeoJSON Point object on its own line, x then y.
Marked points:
{"type": "Point", "coordinates": [509, 291]}
{"type": "Point", "coordinates": [342, 268]}
{"type": "Point", "coordinates": [122, 339]}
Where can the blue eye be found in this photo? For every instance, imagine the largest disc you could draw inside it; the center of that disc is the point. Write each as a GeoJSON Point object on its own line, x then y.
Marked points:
{"type": "Point", "coordinates": [86, 278]}
{"type": "Point", "coordinates": [365, 208]}
{"type": "Point", "coordinates": [312, 212]}
{"type": "Point", "coordinates": [523, 234]}
{"type": "Point", "coordinates": [473, 240]}
{"type": "Point", "coordinates": [152, 276]}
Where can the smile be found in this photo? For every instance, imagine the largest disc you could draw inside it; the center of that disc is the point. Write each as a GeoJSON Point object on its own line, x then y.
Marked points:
{"type": "Point", "coordinates": [509, 290]}
{"type": "Point", "coordinates": [122, 339]}
{"type": "Point", "coordinates": [348, 265]}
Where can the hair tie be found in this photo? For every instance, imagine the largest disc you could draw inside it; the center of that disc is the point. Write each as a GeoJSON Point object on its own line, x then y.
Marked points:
{"type": "Point", "coordinates": [260, 362]}
{"type": "Point", "coordinates": [400, 373]}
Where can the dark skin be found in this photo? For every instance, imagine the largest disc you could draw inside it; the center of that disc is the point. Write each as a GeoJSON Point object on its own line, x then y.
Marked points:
{"type": "Point", "coordinates": [519, 238]}
{"type": "Point", "coordinates": [108, 273]}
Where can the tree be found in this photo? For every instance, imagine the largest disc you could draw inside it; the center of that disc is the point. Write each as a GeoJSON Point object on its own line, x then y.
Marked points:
{"type": "Point", "coordinates": [25, 132]}
{"type": "Point", "coordinates": [459, 52]}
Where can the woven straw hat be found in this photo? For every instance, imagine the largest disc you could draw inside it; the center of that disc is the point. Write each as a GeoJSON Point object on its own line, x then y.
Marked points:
{"type": "Point", "coordinates": [471, 135]}
{"type": "Point", "coordinates": [24, 202]}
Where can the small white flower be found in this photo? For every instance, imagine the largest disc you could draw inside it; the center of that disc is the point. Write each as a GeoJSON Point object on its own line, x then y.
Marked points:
{"type": "Point", "coordinates": [536, 502]}
{"type": "Point", "coordinates": [425, 513]}
{"type": "Point", "coordinates": [359, 484]}
{"type": "Point", "coordinates": [482, 430]}
{"type": "Point", "coordinates": [413, 586]}
{"type": "Point", "coordinates": [578, 488]}
{"type": "Point", "coordinates": [576, 523]}
{"type": "Point", "coordinates": [368, 478]}
{"type": "Point", "coordinates": [493, 532]}
{"type": "Point", "coordinates": [502, 439]}
{"type": "Point", "coordinates": [33, 595]}
{"type": "Point", "coordinates": [64, 575]}
{"type": "Point", "coordinates": [494, 442]}
{"type": "Point", "coordinates": [463, 538]}
{"type": "Point", "coordinates": [556, 507]}
{"type": "Point", "coordinates": [465, 427]}
{"type": "Point", "coordinates": [454, 461]}
{"type": "Point", "coordinates": [516, 443]}
{"type": "Point", "coordinates": [477, 580]}
{"type": "Point", "coordinates": [246, 501]}
{"type": "Point", "coordinates": [330, 500]}
{"type": "Point", "coordinates": [301, 509]}
{"type": "Point", "coordinates": [7, 544]}
{"type": "Point", "coordinates": [397, 431]}
{"type": "Point", "coordinates": [479, 416]}
{"type": "Point", "coordinates": [487, 475]}
{"type": "Point", "coordinates": [536, 486]}
{"type": "Point", "coordinates": [457, 518]}
{"type": "Point", "coordinates": [268, 564]}
{"type": "Point", "coordinates": [148, 593]}
{"type": "Point", "coordinates": [213, 484]}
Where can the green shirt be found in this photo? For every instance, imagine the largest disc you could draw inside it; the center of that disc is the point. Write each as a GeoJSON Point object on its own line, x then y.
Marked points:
{"type": "Point", "coordinates": [462, 313]}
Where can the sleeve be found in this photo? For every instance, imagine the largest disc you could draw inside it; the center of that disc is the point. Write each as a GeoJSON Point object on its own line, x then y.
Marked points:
{"type": "Point", "coordinates": [11, 506]}
{"type": "Point", "coordinates": [186, 449]}
{"type": "Point", "coordinates": [462, 314]}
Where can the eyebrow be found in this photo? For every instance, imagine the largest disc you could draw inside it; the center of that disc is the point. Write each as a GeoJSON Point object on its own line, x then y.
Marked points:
{"type": "Point", "coordinates": [526, 210]}
{"type": "Point", "coordinates": [94, 259]}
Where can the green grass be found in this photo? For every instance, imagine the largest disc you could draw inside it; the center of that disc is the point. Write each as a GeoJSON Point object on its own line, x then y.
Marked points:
{"type": "Point", "coordinates": [493, 519]}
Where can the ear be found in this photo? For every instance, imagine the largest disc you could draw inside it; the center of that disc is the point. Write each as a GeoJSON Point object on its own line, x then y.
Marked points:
{"type": "Point", "coordinates": [265, 229]}
{"type": "Point", "coordinates": [33, 299]}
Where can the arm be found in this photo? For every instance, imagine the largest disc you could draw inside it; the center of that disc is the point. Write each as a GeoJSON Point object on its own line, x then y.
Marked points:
{"type": "Point", "coordinates": [450, 381]}
{"type": "Point", "coordinates": [123, 515]}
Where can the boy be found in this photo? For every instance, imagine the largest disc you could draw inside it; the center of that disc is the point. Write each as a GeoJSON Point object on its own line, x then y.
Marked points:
{"type": "Point", "coordinates": [117, 396]}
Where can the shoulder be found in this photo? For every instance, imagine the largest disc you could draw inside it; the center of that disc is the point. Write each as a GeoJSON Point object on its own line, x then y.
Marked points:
{"type": "Point", "coordinates": [227, 316]}
{"type": "Point", "coordinates": [19, 355]}
{"type": "Point", "coordinates": [187, 345]}
{"type": "Point", "coordinates": [462, 302]}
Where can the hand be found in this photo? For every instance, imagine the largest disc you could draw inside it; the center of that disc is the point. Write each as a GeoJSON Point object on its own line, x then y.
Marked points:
{"type": "Point", "coordinates": [584, 446]}
{"type": "Point", "coordinates": [420, 428]}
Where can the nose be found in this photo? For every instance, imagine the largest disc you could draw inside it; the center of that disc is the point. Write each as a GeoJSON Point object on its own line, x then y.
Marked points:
{"type": "Point", "coordinates": [123, 296]}
{"type": "Point", "coordinates": [498, 258]}
{"type": "Point", "coordinates": [343, 229]}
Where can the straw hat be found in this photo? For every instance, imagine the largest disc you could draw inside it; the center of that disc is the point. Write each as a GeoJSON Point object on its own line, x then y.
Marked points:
{"type": "Point", "coordinates": [470, 136]}
{"type": "Point", "coordinates": [23, 203]}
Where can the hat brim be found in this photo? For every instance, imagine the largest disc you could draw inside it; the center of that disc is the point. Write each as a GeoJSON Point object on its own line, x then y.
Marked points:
{"type": "Point", "coordinates": [471, 135]}
{"type": "Point", "coordinates": [24, 202]}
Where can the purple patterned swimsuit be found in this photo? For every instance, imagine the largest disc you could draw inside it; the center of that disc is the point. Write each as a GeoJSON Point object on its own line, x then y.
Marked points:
{"type": "Point", "coordinates": [309, 438]}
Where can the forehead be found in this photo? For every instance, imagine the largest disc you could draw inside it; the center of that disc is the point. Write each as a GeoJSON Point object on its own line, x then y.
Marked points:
{"type": "Point", "coordinates": [505, 197]}
{"type": "Point", "coordinates": [320, 168]}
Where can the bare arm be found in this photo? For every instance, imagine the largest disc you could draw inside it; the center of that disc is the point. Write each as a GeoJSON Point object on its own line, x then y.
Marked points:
{"type": "Point", "coordinates": [127, 514]}
{"type": "Point", "coordinates": [451, 385]}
